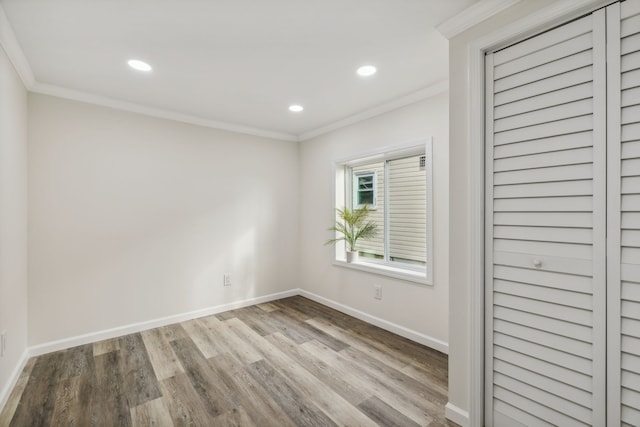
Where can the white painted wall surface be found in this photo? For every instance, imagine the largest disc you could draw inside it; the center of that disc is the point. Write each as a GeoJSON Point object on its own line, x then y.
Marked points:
{"type": "Point", "coordinates": [13, 219]}
{"type": "Point", "coordinates": [133, 218]}
{"type": "Point", "coordinates": [421, 308]}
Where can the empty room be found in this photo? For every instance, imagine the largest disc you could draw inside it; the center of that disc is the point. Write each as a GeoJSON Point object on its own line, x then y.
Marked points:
{"type": "Point", "coordinates": [289, 213]}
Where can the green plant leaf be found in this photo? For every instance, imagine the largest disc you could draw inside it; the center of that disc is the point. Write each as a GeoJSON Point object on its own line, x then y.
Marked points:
{"type": "Point", "coordinates": [353, 226]}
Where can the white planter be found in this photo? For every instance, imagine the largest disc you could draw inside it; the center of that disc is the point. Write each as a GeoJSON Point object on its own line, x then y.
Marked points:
{"type": "Point", "coordinates": [352, 256]}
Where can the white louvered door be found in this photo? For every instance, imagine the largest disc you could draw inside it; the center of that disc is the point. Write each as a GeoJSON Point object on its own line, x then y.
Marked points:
{"type": "Point", "coordinates": [623, 269]}
{"type": "Point", "coordinates": [562, 256]}
{"type": "Point", "coordinates": [545, 234]}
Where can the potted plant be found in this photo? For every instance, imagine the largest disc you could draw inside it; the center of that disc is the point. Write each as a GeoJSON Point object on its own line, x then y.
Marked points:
{"type": "Point", "coordinates": [353, 226]}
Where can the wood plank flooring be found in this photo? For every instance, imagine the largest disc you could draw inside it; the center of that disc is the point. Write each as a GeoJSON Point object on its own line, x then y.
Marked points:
{"type": "Point", "coordinates": [291, 362]}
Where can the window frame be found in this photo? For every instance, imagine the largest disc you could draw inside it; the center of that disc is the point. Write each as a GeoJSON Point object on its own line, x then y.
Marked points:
{"type": "Point", "coordinates": [355, 191]}
{"type": "Point", "coordinates": [343, 193]}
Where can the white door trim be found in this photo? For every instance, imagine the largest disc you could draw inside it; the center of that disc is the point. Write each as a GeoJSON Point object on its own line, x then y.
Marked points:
{"type": "Point", "coordinates": [544, 19]}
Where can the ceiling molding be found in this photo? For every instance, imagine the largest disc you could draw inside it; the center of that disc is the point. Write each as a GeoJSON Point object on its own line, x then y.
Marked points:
{"type": "Point", "coordinates": [412, 98]}
{"type": "Point", "coordinates": [473, 15]}
{"type": "Point", "coordinates": [12, 48]}
{"type": "Point", "coordinates": [104, 101]}
{"type": "Point", "coordinates": [9, 43]}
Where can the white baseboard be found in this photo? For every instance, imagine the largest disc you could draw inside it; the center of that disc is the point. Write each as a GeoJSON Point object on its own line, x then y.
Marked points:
{"type": "Point", "coordinates": [457, 415]}
{"type": "Point", "coordinates": [418, 337]}
{"type": "Point", "coordinates": [65, 343]}
{"type": "Point", "coordinates": [13, 379]}
{"type": "Point", "coordinates": [452, 412]}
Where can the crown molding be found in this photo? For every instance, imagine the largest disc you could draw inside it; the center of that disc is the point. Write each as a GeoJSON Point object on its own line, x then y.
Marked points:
{"type": "Point", "coordinates": [473, 15]}
{"type": "Point", "coordinates": [12, 48]}
{"type": "Point", "coordinates": [9, 43]}
{"type": "Point", "coordinates": [419, 95]}
{"type": "Point", "coordinates": [62, 92]}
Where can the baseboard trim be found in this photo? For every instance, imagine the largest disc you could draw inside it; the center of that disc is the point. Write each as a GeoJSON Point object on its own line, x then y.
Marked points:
{"type": "Point", "coordinates": [457, 415]}
{"type": "Point", "coordinates": [65, 343]}
{"type": "Point", "coordinates": [13, 379]}
{"type": "Point", "coordinates": [418, 337]}
{"type": "Point", "coordinates": [452, 412]}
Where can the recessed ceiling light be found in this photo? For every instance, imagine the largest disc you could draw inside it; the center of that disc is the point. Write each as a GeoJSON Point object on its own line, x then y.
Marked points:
{"type": "Point", "coordinates": [296, 108]}
{"type": "Point", "coordinates": [366, 70]}
{"type": "Point", "coordinates": [136, 64]}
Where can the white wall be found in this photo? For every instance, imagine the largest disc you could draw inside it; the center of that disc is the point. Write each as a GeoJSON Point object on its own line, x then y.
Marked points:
{"type": "Point", "coordinates": [133, 218]}
{"type": "Point", "coordinates": [13, 220]}
{"type": "Point", "coordinates": [422, 308]}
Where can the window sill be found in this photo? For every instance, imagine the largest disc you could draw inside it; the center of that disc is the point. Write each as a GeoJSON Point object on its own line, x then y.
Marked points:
{"type": "Point", "coordinates": [385, 270]}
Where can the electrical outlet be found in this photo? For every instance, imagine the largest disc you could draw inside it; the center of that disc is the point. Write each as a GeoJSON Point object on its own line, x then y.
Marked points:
{"type": "Point", "coordinates": [227, 279]}
{"type": "Point", "coordinates": [377, 294]}
{"type": "Point", "coordinates": [3, 343]}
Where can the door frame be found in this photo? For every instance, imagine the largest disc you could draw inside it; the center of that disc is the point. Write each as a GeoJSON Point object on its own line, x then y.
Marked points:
{"type": "Point", "coordinates": [544, 19]}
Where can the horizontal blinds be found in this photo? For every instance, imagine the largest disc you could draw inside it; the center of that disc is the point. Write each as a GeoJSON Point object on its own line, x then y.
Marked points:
{"type": "Point", "coordinates": [543, 192]}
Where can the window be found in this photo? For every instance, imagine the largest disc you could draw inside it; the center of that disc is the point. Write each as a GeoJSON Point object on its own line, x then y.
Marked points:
{"type": "Point", "coordinates": [364, 189]}
{"type": "Point", "coordinates": [396, 185]}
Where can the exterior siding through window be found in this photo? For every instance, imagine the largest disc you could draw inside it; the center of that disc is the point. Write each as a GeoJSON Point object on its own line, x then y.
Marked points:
{"type": "Point", "coordinates": [407, 210]}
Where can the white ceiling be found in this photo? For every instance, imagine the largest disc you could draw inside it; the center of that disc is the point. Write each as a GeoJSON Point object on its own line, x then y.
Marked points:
{"type": "Point", "coordinates": [239, 62]}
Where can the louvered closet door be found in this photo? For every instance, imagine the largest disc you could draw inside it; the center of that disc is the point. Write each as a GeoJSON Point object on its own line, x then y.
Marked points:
{"type": "Point", "coordinates": [545, 229]}
{"type": "Point", "coordinates": [623, 27]}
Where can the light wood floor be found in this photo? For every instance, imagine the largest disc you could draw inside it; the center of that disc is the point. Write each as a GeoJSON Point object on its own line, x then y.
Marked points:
{"type": "Point", "coordinates": [286, 363]}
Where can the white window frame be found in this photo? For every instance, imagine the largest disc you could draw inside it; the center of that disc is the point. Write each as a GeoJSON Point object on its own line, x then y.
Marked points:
{"type": "Point", "coordinates": [343, 192]}
{"type": "Point", "coordinates": [355, 190]}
